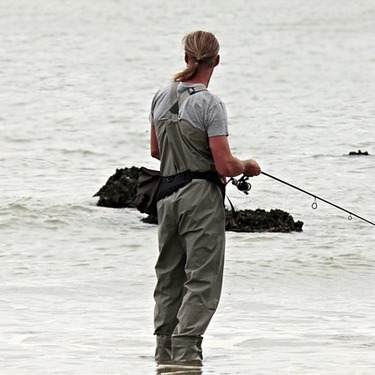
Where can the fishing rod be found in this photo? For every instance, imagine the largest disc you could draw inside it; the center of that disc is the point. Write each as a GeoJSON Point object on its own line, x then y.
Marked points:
{"type": "Point", "coordinates": [314, 205]}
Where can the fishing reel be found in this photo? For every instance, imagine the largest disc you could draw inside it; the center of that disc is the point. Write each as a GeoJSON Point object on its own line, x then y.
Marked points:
{"type": "Point", "coordinates": [242, 184]}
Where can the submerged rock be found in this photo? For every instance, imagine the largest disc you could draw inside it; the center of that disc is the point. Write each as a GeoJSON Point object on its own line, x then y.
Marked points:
{"type": "Point", "coordinates": [120, 192]}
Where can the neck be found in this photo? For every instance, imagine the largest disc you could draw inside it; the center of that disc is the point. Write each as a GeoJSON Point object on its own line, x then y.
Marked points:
{"type": "Point", "coordinates": [202, 76]}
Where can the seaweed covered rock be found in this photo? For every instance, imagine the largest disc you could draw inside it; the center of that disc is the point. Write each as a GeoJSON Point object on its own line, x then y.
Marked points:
{"type": "Point", "coordinates": [120, 189]}
{"type": "Point", "coordinates": [261, 221]}
{"type": "Point", "coordinates": [120, 192]}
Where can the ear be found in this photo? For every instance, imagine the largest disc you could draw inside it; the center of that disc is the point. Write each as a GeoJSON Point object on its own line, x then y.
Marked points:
{"type": "Point", "coordinates": [217, 60]}
{"type": "Point", "coordinates": [186, 58]}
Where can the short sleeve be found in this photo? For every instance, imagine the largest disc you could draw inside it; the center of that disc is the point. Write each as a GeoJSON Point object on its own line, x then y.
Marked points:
{"type": "Point", "coordinates": [217, 120]}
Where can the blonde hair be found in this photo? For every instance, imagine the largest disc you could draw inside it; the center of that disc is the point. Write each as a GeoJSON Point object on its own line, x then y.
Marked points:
{"type": "Point", "coordinates": [200, 46]}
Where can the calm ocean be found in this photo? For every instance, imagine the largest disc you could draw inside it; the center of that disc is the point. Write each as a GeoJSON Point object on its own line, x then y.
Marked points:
{"type": "Point", "coordinates": [76, 280]}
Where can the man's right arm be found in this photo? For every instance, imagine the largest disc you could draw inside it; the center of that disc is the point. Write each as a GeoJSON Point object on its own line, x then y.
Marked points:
{"type": "Point", "coordinates": [227, 164]}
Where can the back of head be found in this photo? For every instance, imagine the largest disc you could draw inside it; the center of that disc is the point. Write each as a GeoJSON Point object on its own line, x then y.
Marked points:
{"type": "Point", "coordinates": [201, 47]}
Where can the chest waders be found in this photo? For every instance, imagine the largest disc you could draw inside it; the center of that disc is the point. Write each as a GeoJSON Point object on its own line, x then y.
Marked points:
{"type": "Point", "coordinates": [191, 235]}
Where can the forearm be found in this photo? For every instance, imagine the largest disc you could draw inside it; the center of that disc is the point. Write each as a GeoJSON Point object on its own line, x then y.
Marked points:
{"type": "Point", "coordinates": [154, 144]}
{"type": "Point", "coordinates": [155, 154]}
{"type": "Point", "coordinates": [231, 167]}
{"type": "Point", "coordinates": [227, 164]}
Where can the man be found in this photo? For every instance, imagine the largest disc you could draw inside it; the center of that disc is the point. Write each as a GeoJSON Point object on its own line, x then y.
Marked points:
{"type": "Point", "coordinates": [189, 131]}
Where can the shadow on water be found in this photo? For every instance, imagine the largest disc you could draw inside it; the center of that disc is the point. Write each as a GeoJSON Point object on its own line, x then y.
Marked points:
{"type": "Point", "coordinates": [177, 369]}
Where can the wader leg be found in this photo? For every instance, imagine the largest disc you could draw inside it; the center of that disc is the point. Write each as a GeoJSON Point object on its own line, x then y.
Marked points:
{"type": "Point", "coordinates": [170, 274]}
{"type": "Point", "coordinates": [202, 231]}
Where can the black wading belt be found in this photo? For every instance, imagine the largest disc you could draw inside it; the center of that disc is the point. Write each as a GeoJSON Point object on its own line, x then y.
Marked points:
{"type": "Point", "coordinates": [170, 184]}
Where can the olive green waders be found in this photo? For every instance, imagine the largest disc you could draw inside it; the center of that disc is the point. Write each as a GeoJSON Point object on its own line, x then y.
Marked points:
{"type": "Point", "coordinates": [189, 269]}
{"type": "Point", "coordinates": [191, 234]}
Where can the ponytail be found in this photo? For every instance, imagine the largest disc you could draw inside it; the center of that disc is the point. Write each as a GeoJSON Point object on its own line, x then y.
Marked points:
{"type": "Point", "coordinates": [200, 46]}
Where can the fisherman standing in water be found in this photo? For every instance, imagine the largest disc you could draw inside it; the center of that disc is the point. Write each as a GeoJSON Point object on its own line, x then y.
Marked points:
{"type": "Point", "coordinates": [189, 130]}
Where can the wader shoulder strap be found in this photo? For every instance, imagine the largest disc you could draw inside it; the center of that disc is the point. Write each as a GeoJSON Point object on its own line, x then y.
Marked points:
{"type": "Point", "coordinates": [174, 108]}
{"type": "Point", "coordinates": [178, 103]}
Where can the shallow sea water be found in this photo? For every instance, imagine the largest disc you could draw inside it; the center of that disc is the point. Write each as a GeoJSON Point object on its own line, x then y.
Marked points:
{"type": "Point", "coordinates": [76, 280]}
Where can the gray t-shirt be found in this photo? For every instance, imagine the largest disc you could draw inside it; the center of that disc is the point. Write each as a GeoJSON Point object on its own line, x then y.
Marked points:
{"type": "Point", "coordinates": [203, 110]}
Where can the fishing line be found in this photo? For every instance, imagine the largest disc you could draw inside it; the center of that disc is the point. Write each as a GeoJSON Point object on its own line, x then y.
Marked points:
{"type": "Point", "coordinates": [314, 205]}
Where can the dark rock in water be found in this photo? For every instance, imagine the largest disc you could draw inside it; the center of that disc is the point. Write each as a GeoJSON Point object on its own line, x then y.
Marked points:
{"type": "Point", "coordinates": [120, 191]}
{"type": "Point", "coordinates": [358, 153]}
{"type": "Point", "coordinates": [262, 221]}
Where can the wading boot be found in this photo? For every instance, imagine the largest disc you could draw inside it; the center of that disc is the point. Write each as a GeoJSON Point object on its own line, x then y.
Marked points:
{"type": "Point", "coordinates": [187, 350]}
{"type": "Point", "coordinates": [163, 352]}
